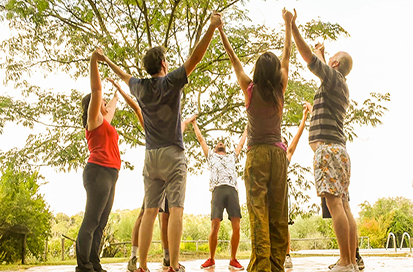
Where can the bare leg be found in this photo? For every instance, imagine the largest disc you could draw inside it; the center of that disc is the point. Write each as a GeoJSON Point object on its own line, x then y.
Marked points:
{"type": "Point", "coordinates": [341, 227]}
{"type": "Point", "coordinates": [213, 237]}
{"type": "Point", "coordinates": [353, 232]}
{"type": "Point", "coordinates": [175, 234]}
{"type": "Point", "coordinates": [136, 227]}
{"type": "Point", "coordinates": [164, 230]}
{"type": "Point", "coordinates": [235, 222]}
{"type": "Point", "coordinates": [145, 235]}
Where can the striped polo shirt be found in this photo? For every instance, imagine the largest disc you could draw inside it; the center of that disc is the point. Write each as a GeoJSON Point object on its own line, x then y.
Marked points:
{"type": "Point", "coordinates": [330, 104]}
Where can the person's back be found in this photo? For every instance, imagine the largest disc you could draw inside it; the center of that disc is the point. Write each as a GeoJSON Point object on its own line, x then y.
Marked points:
{"type": "Point", "coordinates": [330, 104]}
{"type": "Point", "coordinates": [264, 120]}
{"type": "Point", "coordinates": [160, 102]}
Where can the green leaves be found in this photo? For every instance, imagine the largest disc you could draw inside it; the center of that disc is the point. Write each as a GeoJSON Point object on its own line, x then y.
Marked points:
{"type": "Point", "coordinates": [22, 206]}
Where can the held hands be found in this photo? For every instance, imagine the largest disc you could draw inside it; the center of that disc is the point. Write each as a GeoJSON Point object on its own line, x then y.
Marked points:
{"type": "Point", "coordinates": [216, 20]}
{"type": "Point", "coordinates": [308, 108]}
{"type": "Point", "coordinates": [192, 119]}
{"type": "Point", "coordinates": [98, 54]}
{"type": "Point", "coordinates": [319, 47]}
{"type": "Point", "coordinates": [288, 16]}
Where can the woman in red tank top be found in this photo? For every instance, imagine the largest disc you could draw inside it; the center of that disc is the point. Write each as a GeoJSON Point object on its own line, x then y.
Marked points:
{"type": "Point", "coordinates": [265, 172]}
{"type": "Point", "coordinates": [101, 171]}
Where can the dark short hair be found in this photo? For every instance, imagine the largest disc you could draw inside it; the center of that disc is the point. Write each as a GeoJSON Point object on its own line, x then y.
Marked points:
{"type": "Point", "coordinates": [85, 108]}
{"type": "Point", "coordinates": [152, 61]}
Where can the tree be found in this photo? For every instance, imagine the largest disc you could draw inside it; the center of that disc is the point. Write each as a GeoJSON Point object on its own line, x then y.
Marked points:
{"type": "Point", "coordinates": [60, 35]}
{"type": "Point", "coordinates": [384, 216]}
{"type": "Point", "coordinates": [22, 205]}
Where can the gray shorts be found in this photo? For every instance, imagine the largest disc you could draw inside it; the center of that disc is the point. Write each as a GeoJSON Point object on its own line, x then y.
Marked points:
{"type": "Point", "coordinates": [225, 197]}
{"type": "Point", "coordinates": [164, 174]}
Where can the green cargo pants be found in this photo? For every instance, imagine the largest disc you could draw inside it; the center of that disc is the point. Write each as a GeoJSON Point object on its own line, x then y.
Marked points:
{"type": "Point", "coordinates": [266, 188]}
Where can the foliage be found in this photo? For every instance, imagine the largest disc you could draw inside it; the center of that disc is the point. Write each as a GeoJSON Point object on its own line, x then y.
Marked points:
{"type": "Point", "coordinates": [58, 36]}
{"type": "Point", "coordinates": [22, 206]}
{"type": "Point", "coordinates": [384, 216]}
{"type": "Point", "coordinates": [312, 227]}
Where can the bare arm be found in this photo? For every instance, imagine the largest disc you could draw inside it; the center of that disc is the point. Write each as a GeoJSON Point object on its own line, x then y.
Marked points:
{"type": "Point", "coordinates": [186, 122]}
{"type": "Point", "coordinates": [95, 118]}
{"type": "Point", "coordinates": [319, 52]}
{"type": "Point", "coordinates": [200, 138]}
{"type": "Point", "coordinates": [303, 48]}
{"type": "Point", "coordinates": [122, 74]}
{"type": "Point", "coordinates": [111, 108]}
{"type": "Point", "coordinates": [294, 143]}
{"type": "Point", "coordinates": [243, 80]}
{"type": "Point", "coordinates": [287, 16]}
{"type": "Point", "coordinates": [203, 44]}
{"type": "Point", "coordinates": [241, 142]}
{"type": "Point", "coordinates": [129, 101]}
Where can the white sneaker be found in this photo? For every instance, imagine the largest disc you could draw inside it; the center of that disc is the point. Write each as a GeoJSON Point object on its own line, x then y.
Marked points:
{"type": "Point", "coordinates": [288, 263]}
{"type": "Point", "coordinates": [347, 268]}
{"type": "Point", "coordinates": [356, 268]}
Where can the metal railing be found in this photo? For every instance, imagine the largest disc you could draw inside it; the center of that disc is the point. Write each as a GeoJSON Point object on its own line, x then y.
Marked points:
{"type": "Point", "coordinates": [409, 239]}
{"type": "Point", "coordinates": [198, 242]}
{"type": "Point", "coordinates": [394, 241]}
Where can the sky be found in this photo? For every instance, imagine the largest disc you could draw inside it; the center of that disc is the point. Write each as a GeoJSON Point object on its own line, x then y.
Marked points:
{"type": "Point", "coordinates": [380, 45]}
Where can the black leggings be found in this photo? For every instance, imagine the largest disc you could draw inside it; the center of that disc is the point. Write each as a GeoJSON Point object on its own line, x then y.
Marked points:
{"type": "Point", "coordinates": [99, 182]}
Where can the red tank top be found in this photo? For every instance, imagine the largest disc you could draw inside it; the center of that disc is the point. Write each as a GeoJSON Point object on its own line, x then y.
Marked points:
{"type": "Point", "coordinates": [103, 145]}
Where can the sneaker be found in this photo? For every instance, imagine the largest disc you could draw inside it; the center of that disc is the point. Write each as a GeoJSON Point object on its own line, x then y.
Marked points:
{"type": "Point", "coordinates": [208, 264]}
{"type": "Point", "coordinates": [356, 268]}
{"type": "Point", "coordinates": [140, 269]}
{"type": "Point", "coordinates": [132, 264]}
{"type": "Point", "coordinates": [180, 269]}
{"type": "Point", "coordinates": [360, 263]}
{"type": "Point", "coordinates": [288, 263]}
{"type": "Point", "coordinates": [235, 265]}
{"type": "Point", "coordinates": [165, 263]}
{"type": "Point", "coordinates": [347, 268]}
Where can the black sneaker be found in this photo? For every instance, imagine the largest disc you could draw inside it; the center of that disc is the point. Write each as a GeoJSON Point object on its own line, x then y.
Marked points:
{"type": "Point", "coordinates": [165, 263]}
{"type": "Point", "coordinates": [360, 263]}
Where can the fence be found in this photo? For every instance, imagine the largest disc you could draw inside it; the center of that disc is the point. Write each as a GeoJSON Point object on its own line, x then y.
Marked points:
{"type": "Point", "coordinates": [198, 242]}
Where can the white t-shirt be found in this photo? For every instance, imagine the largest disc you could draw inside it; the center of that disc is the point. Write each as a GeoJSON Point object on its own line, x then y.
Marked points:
{"type": "Point", "coordinates": [222, 168]}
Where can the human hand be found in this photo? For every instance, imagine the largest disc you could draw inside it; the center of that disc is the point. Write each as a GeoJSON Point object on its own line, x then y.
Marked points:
{"type": "Point", "coordinates": [114, 83]}
{"type": "Point", "coordinates": [319, 47]}
{"type": "Point", "coordinates": [308, 108]}
{"type": "Point", "coordinates": [287, 16]}
{"type": "Point", "coordinates": [216, 20]}
{"type": "Point", "coordinates": [192, 118]}
{"type": "Point", "coordinates": [98, 54]}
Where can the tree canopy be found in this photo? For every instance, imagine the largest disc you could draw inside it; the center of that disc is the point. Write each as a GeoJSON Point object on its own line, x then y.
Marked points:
{"type": "Point", "coordinates": [60, 35]}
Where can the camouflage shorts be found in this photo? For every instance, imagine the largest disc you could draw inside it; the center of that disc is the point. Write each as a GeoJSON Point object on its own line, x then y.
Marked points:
{"type": "Point", "coordinates": [332, 170]}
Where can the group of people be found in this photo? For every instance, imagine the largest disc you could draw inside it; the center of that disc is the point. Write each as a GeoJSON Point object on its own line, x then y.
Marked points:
{"type": "Point", "coordinates": [268, 155]}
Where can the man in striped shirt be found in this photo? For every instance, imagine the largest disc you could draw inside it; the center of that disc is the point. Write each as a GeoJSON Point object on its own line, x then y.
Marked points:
{"type": "Point", "coordinates": [327, 139]}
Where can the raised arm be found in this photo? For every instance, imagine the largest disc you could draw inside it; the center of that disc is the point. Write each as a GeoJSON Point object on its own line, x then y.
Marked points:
{"type": "Point", "coordinates": [111, 108]}
{"type": "Point", "coordinates": [94, 118]}
{"type": "Point", "coordinates": [122, 74]}
{"type": "Point", "coordinates": [294, 143]}
{"type": "Point", "coordinates": [243, 80]}
{"type": "Point", "coordinates": [285, 62]}
{"type": "Point", "coordinates": [135, 107]}
{"type": "Point", "coordinates": [200, 49]}
{"type": "Point", "coordinates": [319, 51]}
{"type": "Point", "coordinates": [186, 122]}
{"type": "Point", "coordinates": [302, 46]}
{"type": "Point", "coordinates": [200, 138]}
{"type": "Point", "coordinates": [241, 142]}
